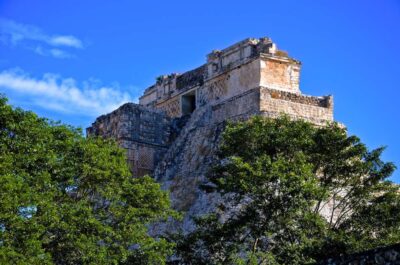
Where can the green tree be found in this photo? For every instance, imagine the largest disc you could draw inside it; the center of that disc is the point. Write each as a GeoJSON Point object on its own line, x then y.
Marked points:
{"type": "Point", "coordinates": [67, 199]}
{"type": "Point", "coordinates": [294, 193]}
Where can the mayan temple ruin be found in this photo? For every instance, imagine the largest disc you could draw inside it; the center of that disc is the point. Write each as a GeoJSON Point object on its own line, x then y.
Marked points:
{"type": "Point", "coordinates": [173, 133]}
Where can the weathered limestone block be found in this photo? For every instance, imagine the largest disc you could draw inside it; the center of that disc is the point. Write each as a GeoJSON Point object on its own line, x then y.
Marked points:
{"type": "Point", "coordinates": [143, 132]}
{"type": "Point", "coordinates": [318, 110]}
{"type": "Point", "coordinates": [280, 73]}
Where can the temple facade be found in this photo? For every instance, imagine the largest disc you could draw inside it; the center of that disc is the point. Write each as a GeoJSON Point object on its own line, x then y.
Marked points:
{"type": "Point", "coordinates": [251, 77]}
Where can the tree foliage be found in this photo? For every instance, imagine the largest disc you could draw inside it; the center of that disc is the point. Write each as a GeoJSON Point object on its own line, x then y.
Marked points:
{"type": "Point", "coordinates": [67, 199]}
{"type": "Point", "coordinates": [294, 194]}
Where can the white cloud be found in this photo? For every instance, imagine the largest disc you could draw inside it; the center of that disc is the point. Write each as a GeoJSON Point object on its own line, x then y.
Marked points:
{"type": "Point", "coordinates": [64, 94]}
{"type": "Point", "coordinates": [70, 41]}
{"type": "Point", "coordinates": [56, 53]}
{"type": "Point", "coordinates": [26, 36]}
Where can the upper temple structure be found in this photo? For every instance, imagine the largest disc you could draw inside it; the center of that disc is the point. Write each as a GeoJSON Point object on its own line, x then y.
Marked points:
{"type": "Point", "coordinates": [252, 65]}
{"type": "Point", "coordinates": [251, 77]}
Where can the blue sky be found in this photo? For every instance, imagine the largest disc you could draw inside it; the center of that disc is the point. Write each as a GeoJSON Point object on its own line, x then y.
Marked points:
{"type": "Point", "coordinates": [73, 60]}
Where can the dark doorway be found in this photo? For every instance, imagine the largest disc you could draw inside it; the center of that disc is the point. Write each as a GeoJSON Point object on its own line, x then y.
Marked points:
{"type": "Point", "coordinates": [188, 102]}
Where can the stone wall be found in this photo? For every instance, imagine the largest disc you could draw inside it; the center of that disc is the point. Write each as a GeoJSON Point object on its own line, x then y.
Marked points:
{"type": "Point", "coordinates": [231, 83]}
{"type": "Point", "coordinates": [280, 73]}
{"type": "Point", "coordinates": [171, 107]}
{"type": "Point", "coordinates": [237, 107]}
{"type": "Point", "coordinates": [144, 133]}
{"type": "Point", "coordinates": [318, 110]}
{"type": "Point", "coordinates": [191, 78]}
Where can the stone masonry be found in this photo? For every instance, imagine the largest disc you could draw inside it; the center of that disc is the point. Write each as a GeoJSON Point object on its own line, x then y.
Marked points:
{"type": "Point", "coordinates": [174, 131]}
{"type": "Point", "coordinates": [251, 77]}
{"type": "Point", "coordinates": [143, 132]}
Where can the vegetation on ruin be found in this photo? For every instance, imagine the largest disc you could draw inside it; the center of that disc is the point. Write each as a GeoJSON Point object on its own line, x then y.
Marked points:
{"type": "Point", "coordinates": [279, 178]}
{"type": "Point", "coordinates": [159, 79]}
{"type": "Point", "coordinates": [67, 199]}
